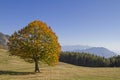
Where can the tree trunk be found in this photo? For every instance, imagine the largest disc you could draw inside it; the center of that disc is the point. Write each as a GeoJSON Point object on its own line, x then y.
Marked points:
{"type": "Point", "coordinates": [36, 64]}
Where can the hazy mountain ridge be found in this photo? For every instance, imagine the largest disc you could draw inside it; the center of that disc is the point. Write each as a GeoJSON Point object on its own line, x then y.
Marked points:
{"type": "Point", "coordinates": [3, 40]}
{"type": "Point", "coordinates": [74, 47]}
{"type": "Point", "coordinates": [99, 51]}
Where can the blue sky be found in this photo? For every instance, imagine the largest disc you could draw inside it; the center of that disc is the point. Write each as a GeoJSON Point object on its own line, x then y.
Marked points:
{"type": "Point", "coordinates": [86, 22]}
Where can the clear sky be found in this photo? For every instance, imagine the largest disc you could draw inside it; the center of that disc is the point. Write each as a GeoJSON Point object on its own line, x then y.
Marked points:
{"type": "Point", "coordinates": [86, 22]}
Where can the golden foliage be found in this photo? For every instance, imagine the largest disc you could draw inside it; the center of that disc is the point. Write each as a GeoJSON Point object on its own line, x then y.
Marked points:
{"type": "Point", "coordinates": [36, 39]}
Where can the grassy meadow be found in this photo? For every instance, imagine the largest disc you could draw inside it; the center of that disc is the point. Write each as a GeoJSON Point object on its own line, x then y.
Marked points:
{"type": "Point", "coordinates": [14, 68]}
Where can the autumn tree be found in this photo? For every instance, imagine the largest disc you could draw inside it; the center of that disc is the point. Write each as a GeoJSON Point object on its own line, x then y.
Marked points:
{"type": "Point", "coordinates": [35, 42]}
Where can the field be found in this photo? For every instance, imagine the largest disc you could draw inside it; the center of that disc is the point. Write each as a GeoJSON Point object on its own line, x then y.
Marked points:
{"type": "Point", "coordinates": [14, 68]}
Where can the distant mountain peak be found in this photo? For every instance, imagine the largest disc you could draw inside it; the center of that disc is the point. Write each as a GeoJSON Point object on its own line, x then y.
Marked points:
{"type": "Point", "coordinates": [99, 51]}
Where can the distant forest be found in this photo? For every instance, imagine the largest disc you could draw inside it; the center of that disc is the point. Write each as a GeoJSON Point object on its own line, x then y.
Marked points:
{"type": "Point", "coordinates": [89, 60]}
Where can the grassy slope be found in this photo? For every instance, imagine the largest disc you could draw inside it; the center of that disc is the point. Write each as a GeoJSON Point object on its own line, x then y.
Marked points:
{"type": "Point", "coordinates": [13, 68]}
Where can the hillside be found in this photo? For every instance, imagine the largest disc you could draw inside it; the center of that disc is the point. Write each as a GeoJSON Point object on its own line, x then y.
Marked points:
{"type": "Point", "coordinates": [14, 68]}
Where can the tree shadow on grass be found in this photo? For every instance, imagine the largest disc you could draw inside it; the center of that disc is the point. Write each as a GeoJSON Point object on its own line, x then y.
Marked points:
{"type": "Point", "coordinates": [3, 72]}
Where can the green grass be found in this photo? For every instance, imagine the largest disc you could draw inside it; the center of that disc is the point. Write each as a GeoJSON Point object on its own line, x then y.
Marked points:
{"type": "Point", "coordinates": [14, 68]}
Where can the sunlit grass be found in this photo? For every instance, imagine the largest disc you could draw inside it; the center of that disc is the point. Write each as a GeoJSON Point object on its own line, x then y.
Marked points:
{"type": "Point", "coordinates": [14, 68]}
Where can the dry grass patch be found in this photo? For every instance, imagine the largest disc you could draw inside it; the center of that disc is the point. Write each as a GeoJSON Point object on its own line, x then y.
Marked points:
{"type": "Point", "coordinates": [14, 68]}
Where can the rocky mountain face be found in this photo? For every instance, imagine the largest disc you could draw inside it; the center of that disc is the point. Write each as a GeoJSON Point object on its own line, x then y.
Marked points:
{"type": "Point", "coordinates": [3, 41]}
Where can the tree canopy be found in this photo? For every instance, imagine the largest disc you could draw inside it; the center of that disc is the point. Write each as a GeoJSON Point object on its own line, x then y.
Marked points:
{"type": "Point", "coordinates": [35, 42]}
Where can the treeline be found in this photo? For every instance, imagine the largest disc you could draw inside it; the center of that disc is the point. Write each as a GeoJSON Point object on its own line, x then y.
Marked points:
{"type": "Point", "coordinates": [89, 60]}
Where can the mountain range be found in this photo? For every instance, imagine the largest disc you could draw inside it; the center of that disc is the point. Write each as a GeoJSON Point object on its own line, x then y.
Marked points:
{"type": "Point", "coordinates": [99, 51]}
